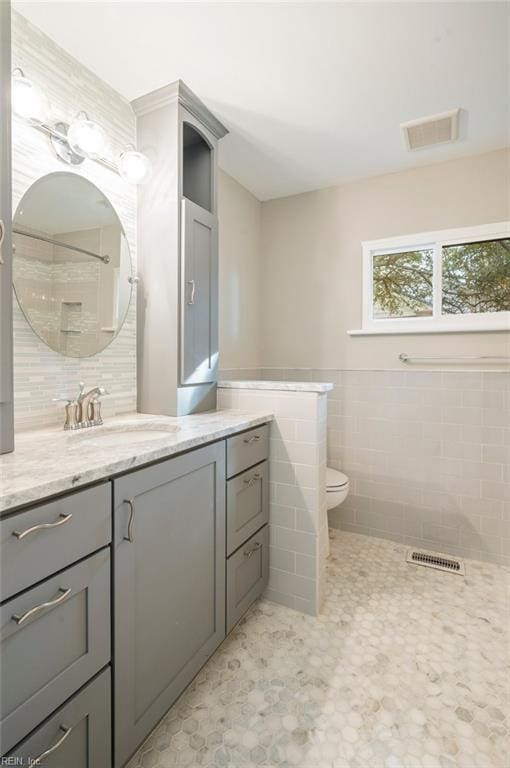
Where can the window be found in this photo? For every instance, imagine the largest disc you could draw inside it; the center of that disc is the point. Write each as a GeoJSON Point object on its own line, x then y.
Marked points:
{"type": "Point", "coordinates": [454, 280]}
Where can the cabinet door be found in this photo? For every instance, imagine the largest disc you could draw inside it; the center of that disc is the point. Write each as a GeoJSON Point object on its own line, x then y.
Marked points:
{"type": "Point", "coordinates": [6, 407]}
{"type": "Point", "coordinates": [78, 735]}
{"type": "Point", "coordinates": [169, 585]}
{"type": "Point", "coordinates": [199, 295]}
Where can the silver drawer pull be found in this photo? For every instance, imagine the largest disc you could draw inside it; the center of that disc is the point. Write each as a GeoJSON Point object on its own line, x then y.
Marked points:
{"type": "Point", "coordinates": [42, 526]}
{"type": "Point", "coordinates": [251, 440]}
{"type": "Point", "coordinates": [130, 536]}
{"type": "Point", "coordinates": [253, 479]}
{"type": "Point", "coordinates": [249, 552]}
{"type": "Point", "coordinates": [50, 604]}
{"type": "Point", "coordinates": [57, 744]}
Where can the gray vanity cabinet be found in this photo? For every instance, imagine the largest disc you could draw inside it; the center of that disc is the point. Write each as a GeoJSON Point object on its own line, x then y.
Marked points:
{"type": "Point", "coordinates": [53, 638]}
{"type": "Point", "coordinates": [78, 735]}
{"type": "Point", "coordinates": [199, 307]}
{"type": "Point", "coordinates": [6, 388]}
{"type": "Point", "coordinates": [169, 591]}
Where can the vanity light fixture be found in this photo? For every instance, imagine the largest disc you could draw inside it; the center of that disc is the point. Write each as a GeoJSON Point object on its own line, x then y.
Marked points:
{"type": "Point", "coordinates": [87, 138]}
{"type": "Point", "coordinates": [83, 138]}
{"type": "Point", "coordinates": [28, 100]}
{"type": "Point", "coordinates": [134, 166]}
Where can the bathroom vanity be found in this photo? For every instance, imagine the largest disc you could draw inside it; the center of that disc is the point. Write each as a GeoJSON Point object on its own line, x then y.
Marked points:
{"type": "Point", "coordinates": [121, 576]}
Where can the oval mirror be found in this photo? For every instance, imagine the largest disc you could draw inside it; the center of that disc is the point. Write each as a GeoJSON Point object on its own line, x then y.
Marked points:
{"type": "Point", "coordinates": [71, 266]}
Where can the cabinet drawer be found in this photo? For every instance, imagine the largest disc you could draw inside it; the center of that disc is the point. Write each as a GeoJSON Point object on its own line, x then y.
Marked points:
{"type": "Point", "coordinates": [247, 449]}
{"type": "Point", "coordinates": [247, 575]}
{"type": "Point", "coordinates": [78, 735]}
{"type": "Point", "coordinates": [247, 505]}
{"type": "Point", "coordinates": [53, 638]}
{"type": "Point", "coordinates": [43, 540]}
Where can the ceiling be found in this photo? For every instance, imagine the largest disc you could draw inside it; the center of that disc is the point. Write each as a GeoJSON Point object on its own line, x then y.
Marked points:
{"type": "Point", "coordinates": [312, 93]}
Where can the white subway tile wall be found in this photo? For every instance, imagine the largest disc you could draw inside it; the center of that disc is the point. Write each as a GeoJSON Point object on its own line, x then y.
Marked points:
{"type": "Point", "coordinates": [40, 374]}
{"type": "Point", "coordinates": [427, 454]}
{"type": "Point", "coordinates": [297, 466]}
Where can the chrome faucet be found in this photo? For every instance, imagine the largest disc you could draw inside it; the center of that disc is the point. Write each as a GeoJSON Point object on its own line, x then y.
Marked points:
{"type": "Point", "coordinates": [85, 411]}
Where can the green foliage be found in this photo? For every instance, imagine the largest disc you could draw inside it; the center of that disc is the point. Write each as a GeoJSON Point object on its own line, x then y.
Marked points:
{"type": "Point", "coordinates": [403, 284]}
{"type": "Point", "coordinates": [476, 277]}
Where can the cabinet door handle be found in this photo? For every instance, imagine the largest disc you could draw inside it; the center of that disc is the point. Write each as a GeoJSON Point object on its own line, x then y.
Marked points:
{"type": "Point", "coordinates": [56, 745]}
{"type": "Point", "coordinates": [193, 289]}
{"type": "Point", "coordinates": [251, 440]}
{"type": "Point", "coordinates": [50, 604]}
{"type": "Point", "coordinates": [2, 235]}
{"type": "Point", "coordinates": [131, 504]}
{"type": "Point", "coordinates": [253, 479]}
{"type": "Point", "coordinates": [249, 552]}
{"type": "Point", "coordinates": [42, 526]}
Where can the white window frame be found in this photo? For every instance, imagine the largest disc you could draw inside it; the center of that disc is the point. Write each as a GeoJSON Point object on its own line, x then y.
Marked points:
{"type": "Point", "coordinates": [436, 323]}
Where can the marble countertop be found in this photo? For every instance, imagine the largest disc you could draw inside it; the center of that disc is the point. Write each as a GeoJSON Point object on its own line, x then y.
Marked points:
{"type": "Point", "coordinates": [283, 386]}
{"type": "Point", "coordinates": [50, 461]}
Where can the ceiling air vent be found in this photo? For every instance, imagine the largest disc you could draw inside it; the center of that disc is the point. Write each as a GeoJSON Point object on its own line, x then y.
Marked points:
{"type": "Point", "coordinates": [427, 131]}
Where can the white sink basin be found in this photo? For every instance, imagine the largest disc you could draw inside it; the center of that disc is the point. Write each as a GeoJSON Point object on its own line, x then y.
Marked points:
{"type": "Point", "coordinates": [124, 434]}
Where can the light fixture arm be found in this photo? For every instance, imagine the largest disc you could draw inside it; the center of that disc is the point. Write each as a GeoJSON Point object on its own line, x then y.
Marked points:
{"type": "Point", "coordinates": [53, 132]}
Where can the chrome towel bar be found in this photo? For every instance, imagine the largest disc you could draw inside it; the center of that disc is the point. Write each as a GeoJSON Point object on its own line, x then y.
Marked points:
{"type": "Point", "coordinates": [405, 358]}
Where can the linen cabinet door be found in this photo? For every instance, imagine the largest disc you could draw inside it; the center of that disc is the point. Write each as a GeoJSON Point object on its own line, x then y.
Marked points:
{"type": "Point", "coordinates": [199, 295]}
{"type": "Point", "coordinates": [169, 585]}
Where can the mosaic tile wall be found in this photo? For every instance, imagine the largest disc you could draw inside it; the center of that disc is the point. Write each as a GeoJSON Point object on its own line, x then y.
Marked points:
{"type": "Point", "coordinates": [427, 454]}
{"type": "Point", "coordinates": [39, 373]}
{"type": "Point", "coordinates": [298, 529]}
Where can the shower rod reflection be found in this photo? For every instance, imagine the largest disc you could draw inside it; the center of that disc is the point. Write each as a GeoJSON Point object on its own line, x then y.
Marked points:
{"type": "Point", "coordinates": [105, 259]}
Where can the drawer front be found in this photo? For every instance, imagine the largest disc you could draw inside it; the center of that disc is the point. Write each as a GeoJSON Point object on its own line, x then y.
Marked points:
{"type": "Point", "coordinates": [247, 575]}
{"type": "Point", "coordinates": [53, 639]}
{"type": "Point", "coordinates": [78, 735]}
{"type": "Point", "coordinates": [247, 449]}
{"type": "Point", "coordinates": [43, 540]}
{"type": "Point", "coordinates": [247, 505]}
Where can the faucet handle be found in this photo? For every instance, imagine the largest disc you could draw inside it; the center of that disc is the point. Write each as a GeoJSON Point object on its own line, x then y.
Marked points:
{"type": "Point", "coordinates": [63, 399]}
{"type": "Point", "coordinates": [71, 411]}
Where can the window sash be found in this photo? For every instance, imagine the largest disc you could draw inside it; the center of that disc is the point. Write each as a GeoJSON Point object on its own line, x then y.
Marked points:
{"type": "Point", "coordinates": [437, 321]}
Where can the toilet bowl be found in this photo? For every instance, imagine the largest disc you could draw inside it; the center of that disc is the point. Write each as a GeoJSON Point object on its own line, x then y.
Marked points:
{"type": "Point", "coordinates": [337, 487]}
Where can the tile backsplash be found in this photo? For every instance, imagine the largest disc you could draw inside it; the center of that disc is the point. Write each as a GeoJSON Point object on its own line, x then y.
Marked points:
{"type": "Point", "coordinates": [40, 374]}
{"type": "Point", "coordinates": [427, 454]}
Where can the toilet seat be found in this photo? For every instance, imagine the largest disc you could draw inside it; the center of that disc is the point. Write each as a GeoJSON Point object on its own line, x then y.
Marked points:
{"type": "Point", "coordinates": [335, 480]}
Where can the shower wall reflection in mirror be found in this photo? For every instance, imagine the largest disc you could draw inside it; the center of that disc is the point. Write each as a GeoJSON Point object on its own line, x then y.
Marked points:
{"type": "Point", "coordinates": [72, 266]}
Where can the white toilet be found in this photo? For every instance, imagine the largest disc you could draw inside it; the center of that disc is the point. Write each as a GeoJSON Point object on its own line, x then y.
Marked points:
{"type": "Point", "coordinates": [337, 487]}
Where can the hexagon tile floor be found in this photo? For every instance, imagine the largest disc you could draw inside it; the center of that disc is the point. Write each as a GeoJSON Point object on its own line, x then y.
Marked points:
{"type": "Point", "coordinates": [407, 667]}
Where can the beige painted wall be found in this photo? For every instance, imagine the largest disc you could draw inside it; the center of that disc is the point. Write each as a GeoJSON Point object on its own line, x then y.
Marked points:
{"type": "Point", "coordinates": [311, 260]}
{"type": "Point", "coordinates": [240, 275]}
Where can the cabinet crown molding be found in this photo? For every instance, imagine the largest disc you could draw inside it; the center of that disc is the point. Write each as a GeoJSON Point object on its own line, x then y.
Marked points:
{"type": "Point", "coordinates": [179, 91]}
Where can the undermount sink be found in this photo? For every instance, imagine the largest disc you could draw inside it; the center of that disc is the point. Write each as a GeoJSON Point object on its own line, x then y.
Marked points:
{"type": "Point", "coordinates": [125, 434]}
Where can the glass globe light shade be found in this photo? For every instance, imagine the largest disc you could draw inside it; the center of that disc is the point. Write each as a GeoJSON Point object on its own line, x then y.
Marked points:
{"type": "Point", "coordinates": [87, 138]}
{"type": "Point", "coordinates": [134, 167]}
{"type": "Point", "coordinates": [28, 100]}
